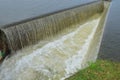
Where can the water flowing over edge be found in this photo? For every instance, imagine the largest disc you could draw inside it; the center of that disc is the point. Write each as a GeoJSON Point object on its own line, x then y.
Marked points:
{"type": "Point", "coordinates": [22, 35]}
{"type": "Point", "coordinates": [67, 53]}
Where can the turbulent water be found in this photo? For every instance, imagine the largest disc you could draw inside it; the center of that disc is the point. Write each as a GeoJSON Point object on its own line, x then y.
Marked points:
{"type": "Point", "coordinates": [55, 60]}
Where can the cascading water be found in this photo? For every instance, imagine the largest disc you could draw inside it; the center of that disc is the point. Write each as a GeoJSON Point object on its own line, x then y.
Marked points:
{"type": "Point", "coordinates": [30, 32]}
{"type": "Point", "coordinates": [54, 60]}
{"type": "Point", "coordinates": [62, 43]}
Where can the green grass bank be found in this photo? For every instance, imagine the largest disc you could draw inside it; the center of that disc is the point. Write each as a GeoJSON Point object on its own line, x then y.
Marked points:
{"type": "Point", "coordinates": [100, 70]}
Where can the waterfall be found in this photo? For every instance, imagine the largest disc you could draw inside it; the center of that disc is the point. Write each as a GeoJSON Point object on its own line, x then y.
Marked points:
{"type": "Point", "coordinates": [31, 32]}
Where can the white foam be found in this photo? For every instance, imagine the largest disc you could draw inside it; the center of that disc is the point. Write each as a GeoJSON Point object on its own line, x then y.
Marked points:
{"type": "Point", "coordinates": [74, 63]}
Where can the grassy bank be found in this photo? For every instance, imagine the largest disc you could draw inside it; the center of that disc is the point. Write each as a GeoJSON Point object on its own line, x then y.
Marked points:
{"type": "Point", "coordinates": [100, 70]}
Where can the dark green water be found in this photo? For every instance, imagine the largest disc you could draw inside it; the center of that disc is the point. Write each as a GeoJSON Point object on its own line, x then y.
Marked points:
{"type": "Point", "coordinates": [110, 47]}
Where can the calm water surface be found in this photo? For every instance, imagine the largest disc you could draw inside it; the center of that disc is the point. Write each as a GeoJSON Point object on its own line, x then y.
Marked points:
{"type": "Point", "coordinates": [110, 48]}
{"type": "Point", "coordinates": [16, 10]}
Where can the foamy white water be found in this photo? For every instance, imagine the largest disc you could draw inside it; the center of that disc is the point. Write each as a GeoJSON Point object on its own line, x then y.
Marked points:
{"type": "Point", "coordinates": [54, 61]}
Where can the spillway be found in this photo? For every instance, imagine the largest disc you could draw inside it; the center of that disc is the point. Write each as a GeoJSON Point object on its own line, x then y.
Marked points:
{"type": "Point", "coordinates": [54, 46]}
{"type": "Point", "coordinates": [29, 32]}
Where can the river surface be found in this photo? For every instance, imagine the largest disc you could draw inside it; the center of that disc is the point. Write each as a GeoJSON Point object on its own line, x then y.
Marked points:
{"type": "Point", "coordinates": [16, 10]}
{"type": "Point", "coordinates": [110, 48]}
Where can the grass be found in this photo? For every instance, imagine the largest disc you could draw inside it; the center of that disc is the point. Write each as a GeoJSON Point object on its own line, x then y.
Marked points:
{"type": "Point", "coordinates": [100, 70]}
